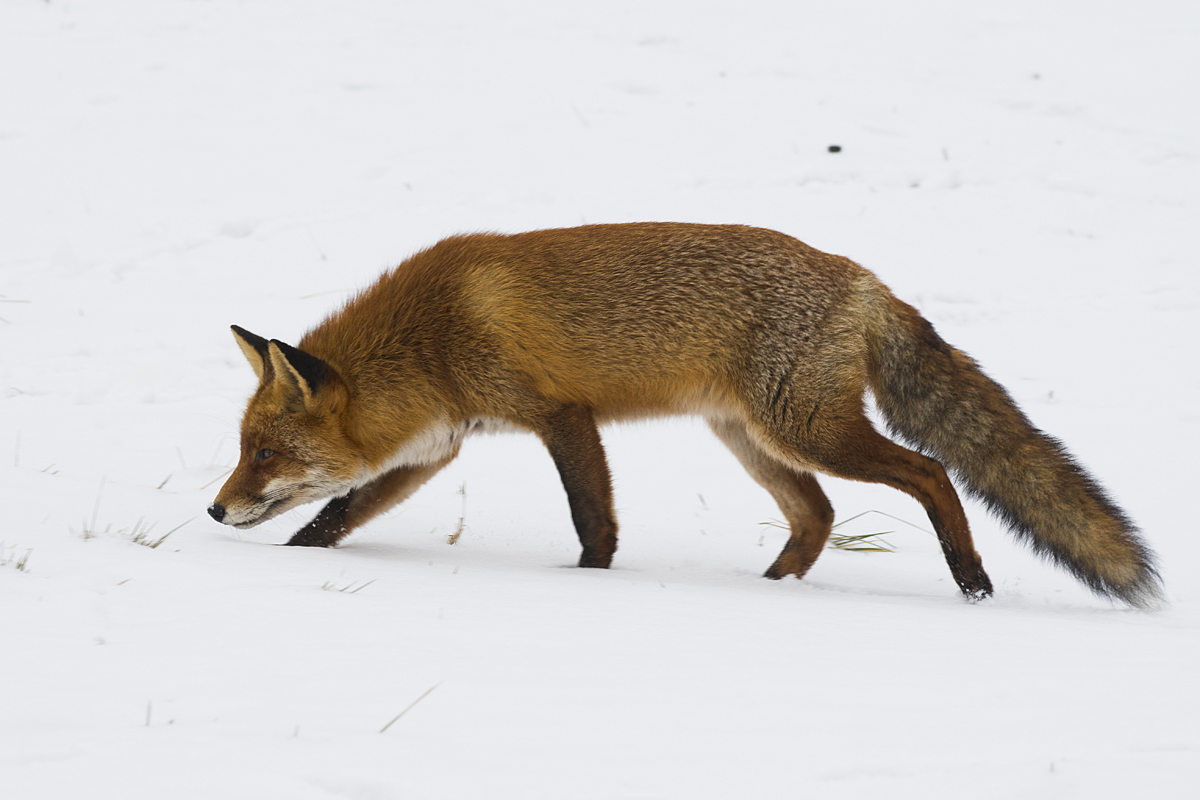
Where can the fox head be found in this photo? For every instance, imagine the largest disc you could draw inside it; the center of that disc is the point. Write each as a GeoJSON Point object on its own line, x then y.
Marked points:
{"type": "Point", "coordinates": [294, 449]}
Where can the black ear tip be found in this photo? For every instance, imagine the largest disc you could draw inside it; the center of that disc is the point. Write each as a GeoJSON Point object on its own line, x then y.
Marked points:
{"type": "Point", "coordinates": [257, 342]}
{"type": "Point", "coordinates": [309, 367]}
{"type": "Point", "coordinates": [286, 348]}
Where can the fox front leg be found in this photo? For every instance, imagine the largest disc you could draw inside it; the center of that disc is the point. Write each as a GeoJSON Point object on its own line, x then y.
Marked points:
{"type": "Point", "coordinates": [343, 514]}
{"type": "Point", "coordinates": [328, 527]}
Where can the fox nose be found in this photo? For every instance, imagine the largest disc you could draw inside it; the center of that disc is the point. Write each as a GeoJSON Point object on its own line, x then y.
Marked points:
{"type": "Point", "coordinates": [217, 511]}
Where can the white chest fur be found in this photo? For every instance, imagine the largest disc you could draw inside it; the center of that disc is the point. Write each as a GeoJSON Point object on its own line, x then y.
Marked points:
{"type": "Point", "coordinates": [435, 443]}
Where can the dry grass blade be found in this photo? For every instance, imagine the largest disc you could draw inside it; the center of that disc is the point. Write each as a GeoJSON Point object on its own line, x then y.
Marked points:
{"type": "Point", "coordinates": [351, 588]}
{"type": "Point", "coordinates": [410, 706]}
{"type": "Point", "coordinates": [856, 543]}
{"type": "Point", "coordinates": [214, 480]}
{"type": "Point", "coordinates": [889, 516]}
{"type": "Point", "coordinates": [862, 543]}
{"type": "Point", "coordinates": [143, 537]}
{"type": "Point", "coordinates": [462, 520]}
{"type": "Point", "coordinates": [18, 562]}
{"type": "Point", "coordinates": [90, 530]}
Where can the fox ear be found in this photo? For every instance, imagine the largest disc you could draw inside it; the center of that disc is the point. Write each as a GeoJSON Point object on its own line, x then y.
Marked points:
{"type": "Point", "coordinates": [310, 380]}
{"type": "Point", "coordinates": [255, 349]}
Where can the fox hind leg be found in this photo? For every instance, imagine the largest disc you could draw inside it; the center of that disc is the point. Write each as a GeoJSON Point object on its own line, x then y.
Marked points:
{"type": "Point", "coordinates": [570, 435]}
{"type": "Point", "coordinates": [799, 496]}
{"type": "Point", "coordinates": [846, 445]}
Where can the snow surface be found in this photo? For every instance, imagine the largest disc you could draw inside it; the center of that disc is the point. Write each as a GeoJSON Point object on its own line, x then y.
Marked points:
{"type": "Point", "coordinates": [1027, 173]}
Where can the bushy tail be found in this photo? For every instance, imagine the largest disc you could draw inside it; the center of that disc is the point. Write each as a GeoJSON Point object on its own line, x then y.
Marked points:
{"type": "Point", "coordinates": [938, 400]}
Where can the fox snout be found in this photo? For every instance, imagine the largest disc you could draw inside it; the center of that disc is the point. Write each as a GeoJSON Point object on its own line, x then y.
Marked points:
{"type": "Point", "coordinates": [218, 512]}
{"type": "Point", "coordinates": [240, 512]}
{"type": "Point", "coordinates": [250, 498]}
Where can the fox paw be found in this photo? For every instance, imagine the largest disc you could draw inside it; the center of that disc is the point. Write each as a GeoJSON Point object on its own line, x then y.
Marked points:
{"type": "Point", "coordinates": [596, 559]}
{"type": "Point", "coordinates": [975, 588]}
{"type": "Point", "coordinates": [309, 538]}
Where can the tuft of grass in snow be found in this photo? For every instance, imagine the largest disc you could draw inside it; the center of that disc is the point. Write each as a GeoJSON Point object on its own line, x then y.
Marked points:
{"type": "Point", "coordinates": [462, 519]}
{"type": "Point", "coordinates": [8, 556]}
{"type": "Point", "coordinates": [349, 588]}
{"type": "Point", "coordinates": [137, 534]}
{"type": "Point", "coordinates": [862, 543]}
{"type": "Point", "coordinates": [855, 543]}
{"type": "Point", "coordinates": [143, 537]}
{"type": "Point", "coordinates": [90, 530]}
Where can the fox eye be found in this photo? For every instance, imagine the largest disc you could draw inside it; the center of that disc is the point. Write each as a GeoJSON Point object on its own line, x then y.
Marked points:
{"type": "Point", "coordinates": [263, 455]}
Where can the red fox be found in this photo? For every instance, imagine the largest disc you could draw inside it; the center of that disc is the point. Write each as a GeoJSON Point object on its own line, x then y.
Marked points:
{"type": "Point", "coordinates": [558, 331]}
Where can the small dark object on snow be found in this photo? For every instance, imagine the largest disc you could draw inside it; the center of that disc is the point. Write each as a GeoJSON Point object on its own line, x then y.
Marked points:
{"type": "Point", "coordinates": [835, 148]}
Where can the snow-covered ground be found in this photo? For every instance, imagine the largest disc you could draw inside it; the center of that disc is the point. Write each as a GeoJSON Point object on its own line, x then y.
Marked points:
{"type": "Point", "coordinates": [1027, 173]}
